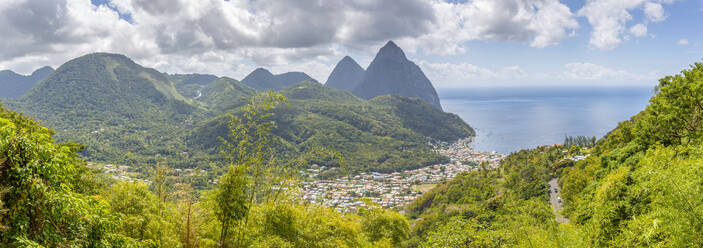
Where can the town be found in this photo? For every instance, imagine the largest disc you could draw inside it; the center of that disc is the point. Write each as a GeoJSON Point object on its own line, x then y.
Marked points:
{"type": "Point", "coordinates": [349, 193]}
{"type": "Point", "coordinates": [393, 190]}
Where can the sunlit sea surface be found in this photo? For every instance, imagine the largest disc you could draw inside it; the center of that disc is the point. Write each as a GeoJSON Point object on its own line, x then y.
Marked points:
{"type": "Point", "coordinates": [508, 119]}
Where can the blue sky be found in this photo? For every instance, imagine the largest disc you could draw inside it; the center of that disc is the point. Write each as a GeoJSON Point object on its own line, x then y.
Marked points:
{"type": "Point", "coordinates": [470, 43]}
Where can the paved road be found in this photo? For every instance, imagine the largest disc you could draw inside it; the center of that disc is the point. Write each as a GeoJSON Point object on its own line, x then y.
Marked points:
{"type": "Point", "coordinates": [554, 192]}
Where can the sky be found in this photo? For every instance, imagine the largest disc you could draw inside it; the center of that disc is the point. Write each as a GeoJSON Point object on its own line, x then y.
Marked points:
{"type": "Point", "coordinates": [458, 44]}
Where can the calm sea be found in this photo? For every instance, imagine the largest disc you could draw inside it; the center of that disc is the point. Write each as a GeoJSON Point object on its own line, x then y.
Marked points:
{"type": "Point", "coordinates": [508, 119]}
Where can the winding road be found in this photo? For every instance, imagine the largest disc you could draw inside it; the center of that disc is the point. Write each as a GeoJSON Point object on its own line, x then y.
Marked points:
{"type": "Point", "coordinates": [555, 200]}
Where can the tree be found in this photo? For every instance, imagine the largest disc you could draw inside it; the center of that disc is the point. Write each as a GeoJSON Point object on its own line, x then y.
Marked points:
{"type": "Point", "coordinates": [40, 176]}
{"type": "Point", "coordinates": [381, 224]}
{"type": "Point", "coordinates": [675, 114]}
{"type": "Point", "coordinates": [232, 200]}
{"type": "Point", "coordinates": [252, 160]}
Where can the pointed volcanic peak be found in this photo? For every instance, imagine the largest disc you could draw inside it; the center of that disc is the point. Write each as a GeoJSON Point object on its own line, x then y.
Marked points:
{"type": "Point", "coordinates": [262, 79]}
{"type": "Point", "coordinates": [13, 85]}
{"type": "Point", "coordinates": [346, 75]}
{"type": "Point", "coordinates": [391, 73]}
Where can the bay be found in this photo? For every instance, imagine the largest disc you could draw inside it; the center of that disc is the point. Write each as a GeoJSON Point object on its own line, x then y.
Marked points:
{"type": "Point", "coordinates": [508, 119]}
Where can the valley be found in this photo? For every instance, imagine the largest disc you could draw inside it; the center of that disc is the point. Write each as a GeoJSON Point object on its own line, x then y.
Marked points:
{"type": "Point", "coordinates": [103, 152]}
{"type": "Point", "coordinates": [351, 124]}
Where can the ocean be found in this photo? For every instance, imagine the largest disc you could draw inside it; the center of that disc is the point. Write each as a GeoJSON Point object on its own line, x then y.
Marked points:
{"type": "Point", "coordinates": [508, 119]}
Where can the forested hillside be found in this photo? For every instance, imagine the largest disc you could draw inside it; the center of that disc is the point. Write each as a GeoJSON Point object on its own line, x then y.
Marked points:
{"type": "Point", "coordinates": [639, 186]}
{"type": "Point", "coordinates": [384, 134]}
{"type": "Point", "coordinates": [130, 115]}
{"type": "Point", "coordinates": [120, 111]}
{"type": "Point", "coordinates": [49, 198]}
{"type": "Point", "coordinates": [190, 85]}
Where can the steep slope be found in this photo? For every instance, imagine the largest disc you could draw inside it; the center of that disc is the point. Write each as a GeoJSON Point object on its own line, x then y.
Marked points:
{"type": "Point", "coordinates": [13, 85]}
{"type": "Point", "coordinates": [262, 79]}
{"type": "Point", "coordinates": [225, 94]}
{"type": "Point", "coordinates": [639, 186]}
{"type": "Point", "coordinates": [371, 135]}
{"type": "Point", "coordinates": [190, 84]}
{"type": "Point", "coordinates": [392, 73]}
{"type": "Point", "coordinates": [346, 75]}
{"type": "Point", "coordinates": [112, 105]}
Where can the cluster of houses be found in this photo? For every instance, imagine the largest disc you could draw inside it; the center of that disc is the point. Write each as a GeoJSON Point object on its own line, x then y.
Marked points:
{"type": "Point", "coordinates": [390, 190]}
{"type": "Point", "coordinates": [119, 172]}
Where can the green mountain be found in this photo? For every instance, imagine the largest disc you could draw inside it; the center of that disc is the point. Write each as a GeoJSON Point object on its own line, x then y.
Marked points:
{"type": "Point", "coordinates": [225, 94]}
{"type": "Point", "coordinates": [13, 85]}
{"type": "Point", "coordinates": [190, 84]}
{"type": "Point", "coordinates": [127, 114]}
{"type": "Point", "coordinates": [384, 134]}
{"type": "Point", "coordinates": [115, 107]}
{"type": "Point", "coordinates": [262, 79]}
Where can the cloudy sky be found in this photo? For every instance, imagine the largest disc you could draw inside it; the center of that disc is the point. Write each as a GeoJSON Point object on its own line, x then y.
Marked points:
{"type": "Point", "coordinates": [466, 43]}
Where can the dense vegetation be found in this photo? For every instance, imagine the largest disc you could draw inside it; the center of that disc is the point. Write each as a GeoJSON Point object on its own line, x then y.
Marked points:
{"type": "Point", "coordinates": [189, 85]}
{"type": "Point", "coordinates": [384, 134]}
{"type": "Point", "coordinates": [130, 115]}
{"type": "Point", "coordinates": [51, 199]}
{"type": "Point", "coordinates": [503, 207]}
{"type": "Point", "coordinates": [640, 186]}
{"type": "Point", "coordinates": [122, 112]}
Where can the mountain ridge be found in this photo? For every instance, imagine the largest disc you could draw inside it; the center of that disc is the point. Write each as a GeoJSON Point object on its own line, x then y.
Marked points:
{"type": "Point", "coordinates": [262, 79]}
{"type": "Point", "coordinates": [101, 97]}
{"type": "Point", "coordinates": [14, 85]}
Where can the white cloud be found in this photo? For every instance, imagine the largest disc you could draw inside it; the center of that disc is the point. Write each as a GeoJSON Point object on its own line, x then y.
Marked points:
{"type": "Point", "coordinates": [609, 18]}
{"type": "Point", "coordinates": [464, 74]}
{"type": "Point", "coordinates": [584, 71]}
{"type": "Point", "coordinates": [638, 30]}
{"type": "Point", "coordinates": [162, 32]}
{"type": "Point", "coordinates": [683, 42]}
{"type": "Point", "coordinates": [458, 75]}
{"type": "Point", "coordinates": [539, 23]}
{"type": "Point", "coordinates": [177, 35]}
{"type": "Point", "coordinates": [654, 11]}
{"type": "Point", "coordinates": [233, 37]}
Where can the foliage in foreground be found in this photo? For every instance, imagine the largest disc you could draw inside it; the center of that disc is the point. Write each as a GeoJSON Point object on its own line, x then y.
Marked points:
{"type": "Point", "coordinates": [640, 186]}
{"type": "Point", "coordinates": [53, 200]}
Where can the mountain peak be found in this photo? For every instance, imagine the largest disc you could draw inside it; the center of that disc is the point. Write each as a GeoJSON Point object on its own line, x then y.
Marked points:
{"type": "Point", "coordinates": [262, 79]}
{"type": "Point", "coordinates": [347, 59]}
{"type": "Point", "coordinates": [392, 73]}
{"type": "Point", "coordinates": [391, 50]}
{"type": "Point", "coordinates": [346, 74]}
{"type": "Point", "coordinates": [392, 44]}
{"type": "Point", "coordinates": [13, 85]}
{"type": "Point", "coordinates": [261, 71]}
{"type": "Point", "coordinates": [42, 72]}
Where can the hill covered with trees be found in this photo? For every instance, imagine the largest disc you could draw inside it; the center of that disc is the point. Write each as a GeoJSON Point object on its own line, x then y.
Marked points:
{"type": "Point", "coordinates": [49, 198]}
{"type": "Point", "coordinates": [131, 115]}
{"type": "Point", "coordinates": [639, 186]}
{"type": "Point", "coordinates": [387, 133]}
